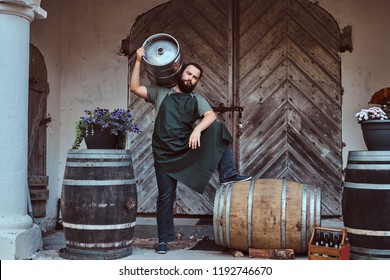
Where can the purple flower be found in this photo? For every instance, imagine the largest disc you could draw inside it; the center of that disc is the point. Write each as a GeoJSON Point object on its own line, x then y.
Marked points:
{"type": "Point", "coordinates": [119, 120]}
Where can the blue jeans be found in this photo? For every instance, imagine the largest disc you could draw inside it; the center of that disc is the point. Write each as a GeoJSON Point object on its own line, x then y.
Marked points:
{"type": "Point", "coordinates": [167, 192]}
{"type": "Point", "coordinates": [226, 167]}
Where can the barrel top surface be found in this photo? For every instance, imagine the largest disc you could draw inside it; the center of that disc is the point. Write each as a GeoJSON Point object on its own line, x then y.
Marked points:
{"type": "Point", "coordinates": [161, 49]}
{"type": "Point", "coordinates": [98, 151]}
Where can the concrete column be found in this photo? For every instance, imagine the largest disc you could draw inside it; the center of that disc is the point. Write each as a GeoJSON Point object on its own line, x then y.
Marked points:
{"type": "Point", "coordinates": [19, 236]}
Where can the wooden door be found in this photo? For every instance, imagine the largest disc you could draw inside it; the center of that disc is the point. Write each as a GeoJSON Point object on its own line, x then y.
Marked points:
{"type": "Point", "coordinates": [37, 121]}
{"type": "Point", "coordinates": [279, 60]}
{"type": "Point", "coordinates": [289, 84]}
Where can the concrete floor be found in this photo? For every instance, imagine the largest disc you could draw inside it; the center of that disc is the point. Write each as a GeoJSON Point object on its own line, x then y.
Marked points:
{"type": "Point", "coordinates": [193, 232]}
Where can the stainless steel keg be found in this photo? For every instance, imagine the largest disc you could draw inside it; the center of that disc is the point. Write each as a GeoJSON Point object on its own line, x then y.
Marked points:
{"type": "Point", "coordinates": [162, 59]}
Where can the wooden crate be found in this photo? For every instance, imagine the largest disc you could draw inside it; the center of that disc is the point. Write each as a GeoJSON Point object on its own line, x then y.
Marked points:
{"type": "Point", "coordinates": [316, 252]}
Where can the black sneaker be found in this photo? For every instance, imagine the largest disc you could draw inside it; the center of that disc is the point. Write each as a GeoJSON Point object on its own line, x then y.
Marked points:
{"type": "Point", "coordinates": [235, 178]}
{"type": "Point", "coordinates": [162, 248]}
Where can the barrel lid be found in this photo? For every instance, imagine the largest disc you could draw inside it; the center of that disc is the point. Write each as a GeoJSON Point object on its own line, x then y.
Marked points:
{"type": "Point", "coordinates": [161, 49]}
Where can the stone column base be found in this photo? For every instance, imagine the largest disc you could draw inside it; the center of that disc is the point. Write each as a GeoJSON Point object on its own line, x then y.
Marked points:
{"type": "Point", "coordinates": [18, 244]}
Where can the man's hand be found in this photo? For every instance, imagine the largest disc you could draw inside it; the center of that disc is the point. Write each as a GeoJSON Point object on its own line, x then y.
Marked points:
{"type": "Point", "coordinates": [140, 53]}
{"type": "Point", "coordinates": [208, 118]}
{"type": "Point", "coordinates": [194, 141]}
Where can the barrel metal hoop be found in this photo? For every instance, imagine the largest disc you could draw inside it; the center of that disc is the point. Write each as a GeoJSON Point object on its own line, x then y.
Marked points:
{"type": "Point", "coordinates": [98, 151]}
{"type": "Point", "coordinates": [99, 245]}
{"type": "Point", "coordinates": [99, 156]}
{"type": "Point", "coordinates": [368, 232]}
{"type": "Point", "coordinates": [220, 212]}
{"type": "Point", "coordinates": [98, 164]}
{"type": "Point", "coordinates": [368, 166]}
{"type": "Point", "coordinates": [217, 215]}
{"type": "Point", "coordinates": [318, 207]}
{"type": "Point", "coordinates": [250, 210]}
{"type": "Point", "coordinates": [304, 216]}
{"type": "Point", "coordinates": [312, 205]}
{"type": "Point", "coordinates": [366, 186]}
{"type": "Point", "coordinates": [68, 182]}
{"type": "Point", "coordinates": [283, 215]}
{"type": "Point", "coordinates": [98, 227]}
{"type": "Point", "coordinates": [368, 155]}
{"type": "Point", "coordinates": [227, 230]}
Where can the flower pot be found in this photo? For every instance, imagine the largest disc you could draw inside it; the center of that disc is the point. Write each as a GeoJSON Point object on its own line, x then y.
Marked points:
{"type": "Point", "coordinates": [376, 134]}
{"type": "Point", "coordinates": [100, 139]}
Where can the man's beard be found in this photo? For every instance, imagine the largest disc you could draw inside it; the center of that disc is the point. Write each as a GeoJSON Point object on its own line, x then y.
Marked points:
{"type": "Point", "coordinates": [183, 87]}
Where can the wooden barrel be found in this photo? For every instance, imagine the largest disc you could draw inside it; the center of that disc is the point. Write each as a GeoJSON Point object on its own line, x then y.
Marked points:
{"type": "Point", "coordinates": [98, 204]}
{"type": "Point", "coordinates": [266, 214]}
{"type": "Point", "coordinates": [366, 204]}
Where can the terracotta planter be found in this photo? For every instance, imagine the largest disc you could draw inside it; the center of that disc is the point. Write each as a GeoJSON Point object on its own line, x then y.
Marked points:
{"type": "Point", "coordinates": [100, 139]}
{"type": "Point", "coordinates": [376, 134]}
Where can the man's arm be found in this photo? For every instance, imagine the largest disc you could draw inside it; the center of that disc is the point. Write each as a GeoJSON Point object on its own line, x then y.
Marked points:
{"type": "Point", "coordinates": [208, 118]}
{"type": "Point", "coordinates": [135, 79]}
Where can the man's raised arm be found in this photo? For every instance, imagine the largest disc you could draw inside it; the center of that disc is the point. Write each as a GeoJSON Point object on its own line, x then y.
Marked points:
{"type": "Point", "coordinates": [135, 79]}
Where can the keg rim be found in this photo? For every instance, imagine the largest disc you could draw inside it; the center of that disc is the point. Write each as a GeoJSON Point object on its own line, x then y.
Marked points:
{"type": "Point", "coordinates": [149, 40]}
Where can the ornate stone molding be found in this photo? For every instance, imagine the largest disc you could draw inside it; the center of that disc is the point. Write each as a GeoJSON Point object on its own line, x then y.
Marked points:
{"type": "Point", "coordinates": [28, 9]}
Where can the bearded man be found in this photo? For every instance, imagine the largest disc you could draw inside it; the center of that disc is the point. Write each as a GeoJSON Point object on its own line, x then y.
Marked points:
{"type": "Point", "coordinates": [184, 150]}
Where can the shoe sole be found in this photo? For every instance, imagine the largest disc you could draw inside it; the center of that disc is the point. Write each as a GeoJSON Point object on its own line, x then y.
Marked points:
{"type": "Point", "coordinates": [161, 248]}
{"type": "Point", "coordinates": [227, 183]}
{"type": "Point", "coordinates": [161, 252]}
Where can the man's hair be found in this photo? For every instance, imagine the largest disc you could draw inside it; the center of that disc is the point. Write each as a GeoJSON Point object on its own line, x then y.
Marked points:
{"type": "Point", "coordinates": [193, 64]}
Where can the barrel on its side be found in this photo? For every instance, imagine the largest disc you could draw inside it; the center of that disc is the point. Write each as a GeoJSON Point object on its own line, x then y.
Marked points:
{"type": "Point", "coordinates": [266, 214]}
{"type": "Point", "coordinates": [98, 204]}
{"type": "Point", "coordinates": [366, 204]}
{"type": "Point", "coordinates": [162, 59]}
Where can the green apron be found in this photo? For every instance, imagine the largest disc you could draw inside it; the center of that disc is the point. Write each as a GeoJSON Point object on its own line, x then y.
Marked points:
{"type": "Point", "coordinates": [174, 125]}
